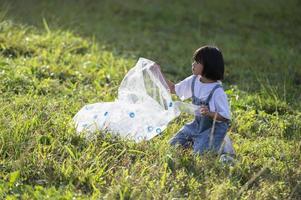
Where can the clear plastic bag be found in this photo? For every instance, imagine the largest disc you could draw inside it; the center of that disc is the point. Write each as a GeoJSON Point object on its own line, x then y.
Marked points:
{"type": "Point", "coordinates": [142, 110]}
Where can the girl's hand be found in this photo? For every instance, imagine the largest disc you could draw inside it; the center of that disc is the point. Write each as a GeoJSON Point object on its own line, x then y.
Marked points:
{"type": "Point", "coordinates": [204, 110]}
{"type": "Point", "coordinates": [157, 66]}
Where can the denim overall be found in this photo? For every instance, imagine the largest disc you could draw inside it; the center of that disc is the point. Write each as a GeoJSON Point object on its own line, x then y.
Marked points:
{"type": "Point", "coordinates": [197, 132]}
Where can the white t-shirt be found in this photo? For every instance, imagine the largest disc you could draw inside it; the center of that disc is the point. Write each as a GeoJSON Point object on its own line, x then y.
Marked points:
{"type": "Point", "coordinates": [218, 102]}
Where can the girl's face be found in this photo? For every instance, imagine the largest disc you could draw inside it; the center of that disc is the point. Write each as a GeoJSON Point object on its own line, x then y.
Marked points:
{"type": "Point", "coordinates": [197, 68]}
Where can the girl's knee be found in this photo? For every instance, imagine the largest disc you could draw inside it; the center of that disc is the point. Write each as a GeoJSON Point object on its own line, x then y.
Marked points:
{"type": "Point", "coordinates": [177, 141]}
{"type": "Point", "coordinates": [173, 141]}
{"type": "Point", "coordinates": [200, 146]}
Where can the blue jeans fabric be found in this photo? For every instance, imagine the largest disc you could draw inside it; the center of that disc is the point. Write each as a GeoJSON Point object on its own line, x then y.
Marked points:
{"type": "Point", "coordinates": [197, 134]}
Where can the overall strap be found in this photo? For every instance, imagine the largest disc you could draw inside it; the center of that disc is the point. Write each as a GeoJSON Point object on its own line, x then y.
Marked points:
{"type": "Point", "coordinates": [192, 85]}
{"type": "Point", "coordinates": [211, 93]}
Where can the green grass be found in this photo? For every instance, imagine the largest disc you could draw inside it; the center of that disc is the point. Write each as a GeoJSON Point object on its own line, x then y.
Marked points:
{"type": "Point", "coordinates": [57, 56]}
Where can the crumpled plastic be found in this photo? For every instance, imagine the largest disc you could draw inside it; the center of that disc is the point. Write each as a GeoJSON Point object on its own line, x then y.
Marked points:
{"type": "Point", "coordinates": [142, 110]}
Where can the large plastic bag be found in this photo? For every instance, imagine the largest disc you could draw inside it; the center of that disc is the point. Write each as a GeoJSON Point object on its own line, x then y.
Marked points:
{"type": "Point", "coordinates": [142, 110]}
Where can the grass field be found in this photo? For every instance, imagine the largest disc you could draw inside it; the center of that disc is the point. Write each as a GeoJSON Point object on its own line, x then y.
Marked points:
{"type": "Point", "coordinates": [57, 56]}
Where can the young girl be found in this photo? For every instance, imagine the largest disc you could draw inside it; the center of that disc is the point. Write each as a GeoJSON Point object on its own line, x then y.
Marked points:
{"type": "Point", "coordinates": [205, 89]}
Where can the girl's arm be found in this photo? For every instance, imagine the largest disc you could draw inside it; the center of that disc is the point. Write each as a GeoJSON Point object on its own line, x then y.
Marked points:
{"type": "Point", "coordinates": [218, 117]}
{"type": "Point", "coordinates": [170, 84]}
{"type": "Point", "coordinates": [205, 111]}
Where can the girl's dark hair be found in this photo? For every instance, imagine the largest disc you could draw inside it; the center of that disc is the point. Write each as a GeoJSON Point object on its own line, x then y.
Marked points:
{"type": "Point", "coordinates": [212, 60]}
